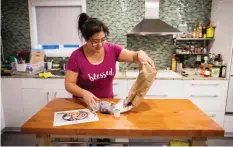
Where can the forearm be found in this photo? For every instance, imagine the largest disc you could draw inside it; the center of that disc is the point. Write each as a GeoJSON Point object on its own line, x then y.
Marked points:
{"type": "Point", "coordinates": [135, 57]}
{"type": "Point", "coordinates": [75, 89]}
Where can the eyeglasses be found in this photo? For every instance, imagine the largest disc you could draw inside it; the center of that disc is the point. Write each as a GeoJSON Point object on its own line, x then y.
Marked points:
{"type": "Point", "coordinates": [95, 42]}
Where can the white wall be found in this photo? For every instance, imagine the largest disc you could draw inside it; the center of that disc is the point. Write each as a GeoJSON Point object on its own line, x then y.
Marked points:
{"type": "Point", "coordinates": [222, 15]}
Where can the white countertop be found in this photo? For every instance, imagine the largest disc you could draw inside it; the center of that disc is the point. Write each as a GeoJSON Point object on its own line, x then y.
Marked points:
{"type": "Point", "coordinates": [161, 75]}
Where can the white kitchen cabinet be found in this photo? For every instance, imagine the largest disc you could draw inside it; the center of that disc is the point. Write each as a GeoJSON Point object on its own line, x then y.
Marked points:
{"type": "Point", "coordinates": [37, 93]}
{"type": "Point", "coordinates": [22, 98]}
{"type": "Point", "coordinates": [208, 95]}
{"type": "Point", "coordinates": [163, 89]}
{"type": "Point", "coordinates": [54, 87]}
{"type": "Point", "coordinates": [60, 93]}
{"type": "Point", "coordinates": [12, 102]}
{"type": "Point", "coordinates": [217, 116]}
{"type": "Point", "coordinates": [229, 106]}
{"type": "Point", "coordinates": [33, 100]}
{"type": "Point", "coordinates": [205, 85]}
{"type": "Point", "coordinates": [43, 83]}
{"type": "Point", "coordinates": [228, 123]}
{"type": "Point", "coordinates": [120, 88]}
{"type": "Point", "coordinates": [209, 101]}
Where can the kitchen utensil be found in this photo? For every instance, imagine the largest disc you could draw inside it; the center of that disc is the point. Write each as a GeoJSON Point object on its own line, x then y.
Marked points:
{"type": "Point", "coordinates": [49, 65]}
{"type": "Point", "coordinates": [179, 67]}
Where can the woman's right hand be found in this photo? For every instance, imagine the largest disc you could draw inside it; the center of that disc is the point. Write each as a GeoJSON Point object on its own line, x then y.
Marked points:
{"type": "Point", "coordinates": [90, 99]}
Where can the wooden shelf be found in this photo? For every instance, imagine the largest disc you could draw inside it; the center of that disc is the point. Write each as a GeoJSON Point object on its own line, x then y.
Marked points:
{"type": "Point", "coordinates": [193, 54]}
{"type": "Point", "coordinates": [205, 40]}
{"type": "Point", "coordinates": [194, 39]}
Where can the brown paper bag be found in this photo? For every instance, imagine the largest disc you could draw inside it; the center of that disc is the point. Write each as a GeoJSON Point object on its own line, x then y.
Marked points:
{"type": "Point", "coordinates": [37, 57]}
{"type": "Point", "coordinates": [141, 86]}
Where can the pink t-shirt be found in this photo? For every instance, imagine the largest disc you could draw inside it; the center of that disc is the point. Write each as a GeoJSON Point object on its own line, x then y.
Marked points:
{"type": "Point", "coordinates": [96, 78]}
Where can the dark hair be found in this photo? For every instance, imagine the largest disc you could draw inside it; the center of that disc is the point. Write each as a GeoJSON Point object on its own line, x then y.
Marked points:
{"type": "Point", "coordinates": [89, 26]}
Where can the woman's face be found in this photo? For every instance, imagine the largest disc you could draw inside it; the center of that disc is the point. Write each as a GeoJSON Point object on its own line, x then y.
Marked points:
{"type": "Point", "coordinates": [96, 42]}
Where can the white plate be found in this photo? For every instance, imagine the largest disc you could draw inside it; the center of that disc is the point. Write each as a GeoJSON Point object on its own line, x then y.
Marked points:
{"type": "Point", "coordinates": [126, 109]}
{"type": "Point", "coordinates": [120, 106]}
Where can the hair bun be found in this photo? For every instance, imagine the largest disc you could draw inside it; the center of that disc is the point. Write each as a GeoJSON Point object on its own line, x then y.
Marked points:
{"type": "Point", "coordinates": [88, 26]}
{"type": "Point", "coordinates": [83, 17]}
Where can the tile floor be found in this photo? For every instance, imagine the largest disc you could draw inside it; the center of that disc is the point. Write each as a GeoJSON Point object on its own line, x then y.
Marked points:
{"type": "Point", "coordinates": [18, 139]}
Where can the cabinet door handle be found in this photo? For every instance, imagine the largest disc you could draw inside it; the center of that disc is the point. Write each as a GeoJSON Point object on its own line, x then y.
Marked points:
{"type": "Point", "coordinates": [199, 96]}
{"type": "Point", "coordinates": [115, 83]}
{"type": "Point", "coordinates": [204, 84]}
{"type": "Point", "coordinates": [55, 94]}
{"type": "Point", "coordinates": [162, 95]}
{"type": "Point", "coordinates": [212, 115]}
{"type": "Point", "coordinates": [115, 95]}
{"type": "Point", "coordinates": [47, 94]}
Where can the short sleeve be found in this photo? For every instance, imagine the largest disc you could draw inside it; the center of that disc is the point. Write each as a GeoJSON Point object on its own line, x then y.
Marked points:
{"type": "Point", "coordinates": [117, 49]}
{"type": "Point", "coordinates": [72, 63]}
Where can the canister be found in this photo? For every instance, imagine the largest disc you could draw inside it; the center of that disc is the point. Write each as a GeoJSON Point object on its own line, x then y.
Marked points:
{"type": "Point", "coordinates": [210, 32]}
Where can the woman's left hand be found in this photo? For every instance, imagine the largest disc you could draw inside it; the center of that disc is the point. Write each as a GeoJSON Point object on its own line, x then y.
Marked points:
{"type": "Point", "coordinates": [144, 58]}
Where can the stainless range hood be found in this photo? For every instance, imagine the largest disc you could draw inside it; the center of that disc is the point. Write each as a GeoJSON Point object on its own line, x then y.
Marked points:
{"type": "Point", "coordinates": [151, 24]}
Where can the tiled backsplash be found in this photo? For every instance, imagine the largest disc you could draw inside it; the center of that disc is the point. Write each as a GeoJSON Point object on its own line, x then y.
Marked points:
{"type": "Point", "coordinates": [121, 16]}
{"type": "Point", "coordinates": [15, 26]}
{"type": "Point", "coordinates": [159, 48]}
{"type": "Point", "coordinates": [175, 12]}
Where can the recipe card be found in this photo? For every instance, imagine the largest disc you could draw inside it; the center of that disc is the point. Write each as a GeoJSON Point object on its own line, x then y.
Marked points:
{"type": "Point", "coordinates": [74, 117]}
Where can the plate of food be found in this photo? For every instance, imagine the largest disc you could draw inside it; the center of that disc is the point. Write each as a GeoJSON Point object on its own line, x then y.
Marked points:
{"type": "Point", "coordinates": [74, 117]}
{"type": "Point", "coordinates": [71, 116]}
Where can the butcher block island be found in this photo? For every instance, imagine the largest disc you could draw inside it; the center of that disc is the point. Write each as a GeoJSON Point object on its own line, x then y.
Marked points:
{"type": "Point", "coordinates": [153, 118]}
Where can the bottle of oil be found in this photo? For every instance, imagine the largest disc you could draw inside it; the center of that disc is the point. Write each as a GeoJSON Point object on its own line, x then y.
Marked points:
{"type": "Point", "coordinates": [223, 70]}
{"type": "Point", "coordinates": [174, 63]}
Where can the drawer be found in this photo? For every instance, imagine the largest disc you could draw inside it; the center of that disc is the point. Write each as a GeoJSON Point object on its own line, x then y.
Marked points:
{"type": "Point", "coordinates": [165, 95]}
{"type": "Point", "coordinates": [60, 93]}
{"type": "Point", "coordinates": [43, 83]}
{"type": "Point", "coordinates": [120, 89]}
{"type": "Point", "coordinates": [228, 127]}
{"type": "Point", "coordinates": [228, 123]}
{"type": "Point", "coordinates": [209, 102]}
{"type": "Point", "coordinates": [206, 85]}
{"type": "Point", "coordinates": [229, 118]}
{"type": "Point", "coordinates": [208, 95]}
{"type": "Point", "coordinates": [217, 116]}
{"type": "Point", "coordinates": [163, 89]}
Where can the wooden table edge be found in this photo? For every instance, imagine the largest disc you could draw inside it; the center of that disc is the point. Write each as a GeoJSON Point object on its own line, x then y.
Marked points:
{"type": "Point", "coordinates": [131, 133]}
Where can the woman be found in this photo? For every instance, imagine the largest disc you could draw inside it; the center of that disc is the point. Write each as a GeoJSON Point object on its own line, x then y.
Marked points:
{"type": "Point", "coordinates": [91, 68]}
